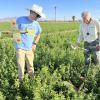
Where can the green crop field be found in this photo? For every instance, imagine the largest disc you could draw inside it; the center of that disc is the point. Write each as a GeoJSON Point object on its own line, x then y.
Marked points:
{"type": "Point", "coordinates": [58, 67]}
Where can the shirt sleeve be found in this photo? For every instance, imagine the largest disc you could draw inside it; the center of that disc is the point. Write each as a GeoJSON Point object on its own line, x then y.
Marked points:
{"type": "Point", "coordinates": [98, 26]}
{"type": "Point", "coordinates": [39, 29]}
{"type": "Point", "coordinates": [80, 37]}
{"type": "Point", "coordinates": [20, 27]}
{"type": "Point", "coordinates": [98, 29]}
{"type": "Point", "coordinates": [18, 24]}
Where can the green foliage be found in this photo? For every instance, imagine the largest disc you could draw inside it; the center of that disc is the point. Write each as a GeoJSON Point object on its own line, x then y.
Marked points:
{"type": "Point", "coordinates": [58, 69]}
{"type": "Point", "coordinates": [58, 26]}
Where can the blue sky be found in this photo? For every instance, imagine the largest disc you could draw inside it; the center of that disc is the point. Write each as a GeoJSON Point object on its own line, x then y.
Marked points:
{"type": "Point", "coordinates": [65, 8]}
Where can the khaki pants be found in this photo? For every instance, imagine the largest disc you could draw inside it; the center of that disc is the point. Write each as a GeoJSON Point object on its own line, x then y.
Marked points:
{"type": "Point", "coordinates": [22, 57]}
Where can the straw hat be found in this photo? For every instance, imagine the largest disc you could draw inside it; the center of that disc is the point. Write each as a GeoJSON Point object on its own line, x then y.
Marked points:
{"type": "Point", "coordinates": [38, 9]}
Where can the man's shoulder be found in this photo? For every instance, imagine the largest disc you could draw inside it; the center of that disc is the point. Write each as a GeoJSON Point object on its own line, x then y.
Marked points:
{"type": "Point", "coordinates": [20, 19]}
{"type": "Point", "coordinates": [96, 21]}
{"type": "Point", "coordinates": [81, 23]}
{"type": "Point", "coordinates": [36, 23]}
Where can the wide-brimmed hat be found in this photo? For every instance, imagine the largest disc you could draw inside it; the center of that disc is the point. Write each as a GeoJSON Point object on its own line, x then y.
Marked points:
{"type": "Point", "coordinates": [38, 9]}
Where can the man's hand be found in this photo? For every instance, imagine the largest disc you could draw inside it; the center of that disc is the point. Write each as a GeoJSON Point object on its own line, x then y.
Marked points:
{"type": "Point", "coordinates": [33, 47]}
{"type": "Point", "coordinates": [35, 42]}
{"type": "Point", "coordinates": [78, 44]}
{"type": "Point", "coordinates": [98, 47]}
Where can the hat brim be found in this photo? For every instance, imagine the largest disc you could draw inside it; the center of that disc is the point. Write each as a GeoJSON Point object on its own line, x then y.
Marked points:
{"type": "Point", "coordinates": [40, 14]}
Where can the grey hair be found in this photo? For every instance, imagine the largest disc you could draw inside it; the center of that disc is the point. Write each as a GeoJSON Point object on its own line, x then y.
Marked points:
{"type": "Point", "coordinates": [85, 13]}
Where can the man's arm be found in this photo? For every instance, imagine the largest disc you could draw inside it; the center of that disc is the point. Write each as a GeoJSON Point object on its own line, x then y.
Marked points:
{"type": "Point", "coordinates": [80, 38]}
{"type": "Point", "coordinates": [37, 38]}
{"type": "Point", "coordinates": [98, 30]}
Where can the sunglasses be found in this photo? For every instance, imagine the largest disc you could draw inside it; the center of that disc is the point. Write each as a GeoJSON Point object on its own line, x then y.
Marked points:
{"type": "Point", "coordinates": [34, 13]}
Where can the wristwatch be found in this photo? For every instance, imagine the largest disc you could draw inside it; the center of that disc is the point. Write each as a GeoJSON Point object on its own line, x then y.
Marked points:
{"type": "Point", "coordinates": [34, 43]}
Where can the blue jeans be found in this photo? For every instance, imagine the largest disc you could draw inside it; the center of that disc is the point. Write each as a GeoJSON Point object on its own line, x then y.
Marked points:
{"type": "Point", "coordinates": [90, 52]}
